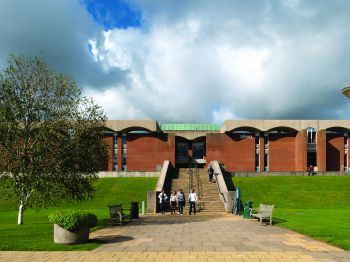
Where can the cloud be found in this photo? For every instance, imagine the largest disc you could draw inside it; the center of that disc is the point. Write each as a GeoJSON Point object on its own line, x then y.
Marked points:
{"type": "Point", "coordinates": [196, 61]}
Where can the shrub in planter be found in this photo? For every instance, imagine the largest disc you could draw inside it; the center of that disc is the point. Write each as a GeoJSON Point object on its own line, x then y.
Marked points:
{"type": "Point", "coordinates": [72, 226]}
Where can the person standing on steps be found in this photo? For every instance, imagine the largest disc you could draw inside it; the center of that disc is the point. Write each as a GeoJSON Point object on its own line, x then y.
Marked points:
{"type": "Point", "coordinates": [210, 172]}
{"type": "Point", "coordinates": [162, 200]}
{"type": "Point", "coordinates": [173, 202]}
{"type": "Point", "coordinates": [180, 198]}
{"type": "Point", "coordinates": [192, 198]}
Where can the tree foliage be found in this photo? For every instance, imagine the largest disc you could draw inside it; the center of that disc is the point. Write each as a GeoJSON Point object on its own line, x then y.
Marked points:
{"type": "Point", "coordinates": [51, 144]}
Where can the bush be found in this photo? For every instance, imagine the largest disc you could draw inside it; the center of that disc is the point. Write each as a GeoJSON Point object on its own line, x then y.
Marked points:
{"type": "Point", "coordinates": [73, 219]}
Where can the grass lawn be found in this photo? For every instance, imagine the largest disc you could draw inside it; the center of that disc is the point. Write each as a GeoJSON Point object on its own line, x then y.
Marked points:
{"type": "Point", "coordinates": [314, 206]}
{"type": "Point", "coordinates": [37, 231]}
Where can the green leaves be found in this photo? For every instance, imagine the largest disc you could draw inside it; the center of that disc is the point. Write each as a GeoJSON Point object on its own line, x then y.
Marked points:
{"type": "Point", "coordinates": [72, 220]}
{"type": "Point", "coordinates": [50, 136]}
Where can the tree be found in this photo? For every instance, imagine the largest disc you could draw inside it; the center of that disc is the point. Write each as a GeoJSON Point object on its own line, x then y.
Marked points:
{"type": "Point", "coordinates": [51, 144]}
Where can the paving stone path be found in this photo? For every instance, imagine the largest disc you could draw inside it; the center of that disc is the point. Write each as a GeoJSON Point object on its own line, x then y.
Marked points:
{"type": "Point", "coordinates": [222, 237]}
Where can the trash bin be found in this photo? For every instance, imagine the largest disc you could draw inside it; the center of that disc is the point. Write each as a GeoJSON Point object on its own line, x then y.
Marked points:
{"type": "Point", "coordinates": [247, 207]}
{"type": "Point", "coordinates": [134, 210]}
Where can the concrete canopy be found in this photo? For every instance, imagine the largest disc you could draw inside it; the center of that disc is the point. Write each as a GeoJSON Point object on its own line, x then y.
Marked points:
{"type": "Point", "coordinates": [130, 125]}
{"type": "Point", "coordinates": [265, 125]}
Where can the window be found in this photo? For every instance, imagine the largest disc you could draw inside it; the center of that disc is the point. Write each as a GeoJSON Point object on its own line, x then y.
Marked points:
{"type": "Point", "coordinates": [311, 135]}
{"type": "Point", "coordinates": [182, 151]}
{"type": "Point", "coordinates": [198, 150]}
{"type": "Point", "coordinates": [266, 162]}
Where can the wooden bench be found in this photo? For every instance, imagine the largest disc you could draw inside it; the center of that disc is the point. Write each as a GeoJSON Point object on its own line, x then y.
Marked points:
{"type": "Point", "coordinates": [263, 212]}
{"type": "Point", "coordinates": [117, 214]}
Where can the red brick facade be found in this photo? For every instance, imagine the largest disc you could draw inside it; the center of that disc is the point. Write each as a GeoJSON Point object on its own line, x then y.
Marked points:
{"type": "Point", "coordinates": [286, 151]}
{"type": "Point", "coordinates": [301, 151]}
{"type": "Point", "coordinates": [109, 163]}
{"type": "Point", "coordinates": [147, 151]}
{"type": "Point", "coordinates": [335, 152]}
{"type": "Point", "coordinates": [239, 153]}
{"type": "Point", "coordinates": [282, 152]}
{"type": "Point", "coordinates": [321, 150]}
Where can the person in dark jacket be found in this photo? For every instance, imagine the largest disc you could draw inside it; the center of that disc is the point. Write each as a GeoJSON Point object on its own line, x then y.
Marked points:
{"type": "Point", "coordinates": [180, 198]}
{"type": "Point", "coordinates": [210, 172]}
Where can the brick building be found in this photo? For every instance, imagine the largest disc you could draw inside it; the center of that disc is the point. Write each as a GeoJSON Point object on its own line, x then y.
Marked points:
{"type": "Point", "coordinates": [242, 145]}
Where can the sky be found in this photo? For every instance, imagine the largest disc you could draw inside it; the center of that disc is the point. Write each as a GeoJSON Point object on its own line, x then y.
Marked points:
{"type": "Point", "coordinates": [192, 61]}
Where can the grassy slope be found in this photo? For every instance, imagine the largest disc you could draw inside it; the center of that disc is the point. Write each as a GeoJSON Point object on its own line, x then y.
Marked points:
{"type": "Point", "coordinates": [315, 206]}
{"type": "Point", "coordinates": [37, 232]}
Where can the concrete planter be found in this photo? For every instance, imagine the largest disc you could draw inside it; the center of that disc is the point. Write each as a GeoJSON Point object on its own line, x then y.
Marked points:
{"type": "Point", "coordinates": [63, 236]}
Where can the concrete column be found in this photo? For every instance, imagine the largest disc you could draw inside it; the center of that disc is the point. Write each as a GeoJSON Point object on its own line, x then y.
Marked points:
{"type": "Point", "coordinates": [321, 150]}
{"type": "Point", "coordinates": [261, 140]}
{"type": "Point", "coordinates": [301, 151]}
{"type": "Point", "coordinates": [120, 151]}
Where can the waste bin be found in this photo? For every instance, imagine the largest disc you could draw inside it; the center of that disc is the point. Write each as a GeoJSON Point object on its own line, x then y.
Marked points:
{"type": "Point", "coordinates": [134, 210]}
{"type": "Point", "coordinates": [247, 207]}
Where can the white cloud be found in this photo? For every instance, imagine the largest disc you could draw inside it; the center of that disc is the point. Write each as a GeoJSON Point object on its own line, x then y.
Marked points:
{"type": "Point", "coordinates": [222, 114]}
{"type": "Point", "coordinates": [196, 61]}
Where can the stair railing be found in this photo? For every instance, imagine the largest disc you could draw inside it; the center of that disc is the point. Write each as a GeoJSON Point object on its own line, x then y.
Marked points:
{"type": "Point", "coordinates": [190, 176]}
{"type": "Point", "coordinates": [199, 184]}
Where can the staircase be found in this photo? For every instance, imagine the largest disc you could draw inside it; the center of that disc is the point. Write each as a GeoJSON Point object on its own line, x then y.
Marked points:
{"type": "Point", "coordinates": [208, 197]}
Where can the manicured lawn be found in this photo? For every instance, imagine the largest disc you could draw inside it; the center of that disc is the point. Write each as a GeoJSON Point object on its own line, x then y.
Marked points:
{"type": "Point", "coordinates": [314, 206]}
{"type": "Point", "coordinates": [37, 231]}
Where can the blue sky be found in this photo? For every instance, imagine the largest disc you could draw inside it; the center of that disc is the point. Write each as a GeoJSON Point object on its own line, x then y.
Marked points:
{"type": "Point", "coordinates": [192, 61]}
{"type": "Point", "coordinates": [114, 13]}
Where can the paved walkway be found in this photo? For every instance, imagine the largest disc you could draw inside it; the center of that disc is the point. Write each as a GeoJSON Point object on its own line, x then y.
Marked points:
{"type": "Point", "coordinates": [169, 237]}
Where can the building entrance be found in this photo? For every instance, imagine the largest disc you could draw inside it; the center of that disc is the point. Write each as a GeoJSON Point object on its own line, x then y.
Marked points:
{"type": "Point", "coordinates": [190, 153]}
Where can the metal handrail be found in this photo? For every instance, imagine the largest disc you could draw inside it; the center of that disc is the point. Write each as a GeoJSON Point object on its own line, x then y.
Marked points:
{"type": "Point", "coordinates": [199, 185]}
{"type": "Point", "coordinates": [190, 176]}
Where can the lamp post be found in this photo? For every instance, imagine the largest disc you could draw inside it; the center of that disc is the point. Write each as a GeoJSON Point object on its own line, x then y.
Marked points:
{"type": "Point", "coordinates": [346, 91]}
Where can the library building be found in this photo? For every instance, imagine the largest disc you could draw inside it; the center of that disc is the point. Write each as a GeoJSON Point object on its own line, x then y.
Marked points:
{"type": "Point", "coordinates": [239, 145]}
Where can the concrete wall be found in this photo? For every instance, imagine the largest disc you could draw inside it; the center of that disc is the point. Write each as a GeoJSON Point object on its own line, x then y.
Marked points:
{"type": "Point", "coordinates": [127, 174]}
{"type": "Point", "coordinates": [254, 174]}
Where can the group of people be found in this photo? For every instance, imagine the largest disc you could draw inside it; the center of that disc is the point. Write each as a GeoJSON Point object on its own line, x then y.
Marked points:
{"type": "Point", "coordinates": [177, 201]}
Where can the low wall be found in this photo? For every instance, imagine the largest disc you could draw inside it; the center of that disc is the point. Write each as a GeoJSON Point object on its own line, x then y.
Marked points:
{"type": "Point", "coordinates": [256, 174]}
{"type": "Point", "coordinates": [152, 196]}
{"type": "Point", "coordinates": [227, 197]}
{"type": "Point", "coordinates": [127, 174]}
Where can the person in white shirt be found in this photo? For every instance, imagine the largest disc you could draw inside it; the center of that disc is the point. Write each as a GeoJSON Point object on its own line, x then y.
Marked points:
{"type": "Point", "coordinates": [173, 202]}
{"type": "Point", "coordinates": [162, 200]}
{"type": "Point", "coordinates": [192, 198]}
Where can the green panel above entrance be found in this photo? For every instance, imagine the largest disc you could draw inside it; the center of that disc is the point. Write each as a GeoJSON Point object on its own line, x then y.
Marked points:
{"type": "Point", "coordinates": [190, 127]}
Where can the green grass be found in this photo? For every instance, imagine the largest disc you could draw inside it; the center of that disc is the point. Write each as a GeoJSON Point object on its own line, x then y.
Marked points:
{"type": "Point", "coordinates": [315, 206]}
{"type": "Point", "coordinates": [37, 232]}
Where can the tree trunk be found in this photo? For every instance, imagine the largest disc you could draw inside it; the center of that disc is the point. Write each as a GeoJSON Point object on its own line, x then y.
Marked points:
{"type": "Point", "coordinates": [20, 214]}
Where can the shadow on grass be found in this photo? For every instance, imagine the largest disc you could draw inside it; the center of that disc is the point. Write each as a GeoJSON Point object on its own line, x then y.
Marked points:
{"type": "Point", "coordinates": [277, 221]}
{"type": "Point", "coordinates": [228, 180]}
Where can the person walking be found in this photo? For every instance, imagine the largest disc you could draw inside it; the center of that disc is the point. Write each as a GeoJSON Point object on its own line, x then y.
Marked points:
{"type": "Point", "coordinates": [180, 198]}
{"type": "Point", "coordinates": [162, 200]}
{"type": "Point", "coordinates": [192, 198]}
{"type": "Point", "coordinates": [210, 173]}
{"type": "Point", "coordinates": [173, 201]}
